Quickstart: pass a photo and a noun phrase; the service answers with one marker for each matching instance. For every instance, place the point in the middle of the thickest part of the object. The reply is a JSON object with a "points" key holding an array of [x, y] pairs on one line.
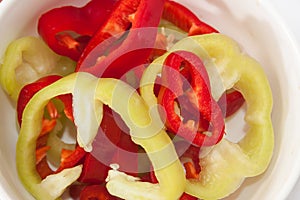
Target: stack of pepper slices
{"points": [[109, 39]]}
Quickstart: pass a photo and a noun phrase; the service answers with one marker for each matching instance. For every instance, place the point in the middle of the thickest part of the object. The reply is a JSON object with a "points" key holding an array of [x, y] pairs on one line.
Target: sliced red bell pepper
{"points": [[117, 23], [199, 96], [191, 152], [29, 90], [70, 158], [186, 196], [230, 102], [185, 19], [43, 168], [97, 192], [136, 47], [75, 28], [94, 171]]}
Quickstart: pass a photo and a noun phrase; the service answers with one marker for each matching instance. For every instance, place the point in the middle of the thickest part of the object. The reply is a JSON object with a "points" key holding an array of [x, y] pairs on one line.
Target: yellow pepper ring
{"points": [[225, 167], [30, 58], [171, 177]]}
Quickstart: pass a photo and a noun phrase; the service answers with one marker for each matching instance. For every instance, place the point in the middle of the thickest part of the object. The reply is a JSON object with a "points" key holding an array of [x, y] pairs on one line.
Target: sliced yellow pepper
{"points": [[226, 166], [28, 59], [135, 114]]}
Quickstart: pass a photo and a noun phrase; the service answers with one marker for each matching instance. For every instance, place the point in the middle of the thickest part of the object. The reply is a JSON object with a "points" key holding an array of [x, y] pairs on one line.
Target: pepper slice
{"points": [[29, 90], [198, 94], [28, 59], [76, 26], [136, 47], [117, 23], [186, 20], [97, 192], [134, 112], [227, 164]]}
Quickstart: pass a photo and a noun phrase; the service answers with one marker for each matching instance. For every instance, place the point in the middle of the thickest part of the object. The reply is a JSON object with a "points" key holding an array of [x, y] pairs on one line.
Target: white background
{"points": [[289, 10]]}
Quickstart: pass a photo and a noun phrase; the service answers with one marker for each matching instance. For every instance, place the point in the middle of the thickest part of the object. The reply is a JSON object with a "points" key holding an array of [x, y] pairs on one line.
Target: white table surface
{"points": [[290, 13]]}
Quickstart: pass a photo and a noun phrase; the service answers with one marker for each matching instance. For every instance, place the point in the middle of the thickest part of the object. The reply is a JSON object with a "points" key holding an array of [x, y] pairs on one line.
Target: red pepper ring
{"points": [[136, 47], [199, 96], [81, 22]]}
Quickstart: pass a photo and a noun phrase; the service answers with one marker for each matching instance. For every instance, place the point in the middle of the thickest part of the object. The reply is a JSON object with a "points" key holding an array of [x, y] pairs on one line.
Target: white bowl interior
{"points": [[259, 31]]}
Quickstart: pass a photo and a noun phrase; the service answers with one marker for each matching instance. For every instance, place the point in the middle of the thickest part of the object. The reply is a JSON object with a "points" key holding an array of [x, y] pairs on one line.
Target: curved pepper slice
{"points": [[198, 93], [114, 26], [136, 47], [28, 59], [227, 164], [29, 90], [133, 111], [183, 18], [75, 28], [97, 192]]}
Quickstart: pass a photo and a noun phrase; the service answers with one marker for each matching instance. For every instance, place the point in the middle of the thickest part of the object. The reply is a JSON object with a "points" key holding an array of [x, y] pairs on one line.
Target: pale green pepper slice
{"points": [[135, 114], [226, 166], [28, 59]]}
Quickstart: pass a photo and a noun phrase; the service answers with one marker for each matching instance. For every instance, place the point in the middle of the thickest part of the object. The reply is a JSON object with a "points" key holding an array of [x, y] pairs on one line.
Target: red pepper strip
{"points": [[199, 96], [70, 158], [136, 47], [68, 110], [187, 151], [94, 171], [96, 192], [110, 126], [127, 151], [190, 170], [230, 102], [116, 24], [43, 168], [52, 110], [29, 90], [47, 126], [183, 18], [57, 26], [186, 196], [41, 153]]}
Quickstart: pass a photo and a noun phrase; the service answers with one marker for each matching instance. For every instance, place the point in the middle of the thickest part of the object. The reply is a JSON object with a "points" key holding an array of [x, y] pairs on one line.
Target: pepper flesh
{"points": [[134, 50], [78, 21], [198, 94], [250, 156], [28, 59], [170, 174], [183, 18]]}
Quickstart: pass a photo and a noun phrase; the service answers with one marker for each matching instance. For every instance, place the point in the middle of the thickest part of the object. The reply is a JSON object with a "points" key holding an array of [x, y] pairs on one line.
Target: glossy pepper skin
{"points": [[198, 93], [185, 19], [68, 29], [28, 59], [138, 121], [69, 158], [228, 163], [136, 47], [29, 90]]}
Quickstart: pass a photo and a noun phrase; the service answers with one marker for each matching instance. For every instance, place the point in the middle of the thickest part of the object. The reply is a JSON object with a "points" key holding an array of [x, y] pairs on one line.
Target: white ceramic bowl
{"points": [[252, 23]]}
